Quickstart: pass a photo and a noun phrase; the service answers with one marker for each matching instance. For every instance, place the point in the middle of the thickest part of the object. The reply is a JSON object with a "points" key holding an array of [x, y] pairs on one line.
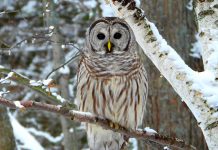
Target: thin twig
{"points": [[48, 39], [42, 37], [105, 123], [62, 65]]}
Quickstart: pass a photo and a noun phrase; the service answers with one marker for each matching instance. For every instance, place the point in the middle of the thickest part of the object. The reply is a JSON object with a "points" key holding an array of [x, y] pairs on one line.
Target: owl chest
{"points": [[118, 98], [104, 97], [111, 93]]}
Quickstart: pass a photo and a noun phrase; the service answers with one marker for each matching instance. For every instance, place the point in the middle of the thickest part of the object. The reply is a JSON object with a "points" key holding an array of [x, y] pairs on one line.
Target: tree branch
{"points": [[41, 89], [104, 123]]}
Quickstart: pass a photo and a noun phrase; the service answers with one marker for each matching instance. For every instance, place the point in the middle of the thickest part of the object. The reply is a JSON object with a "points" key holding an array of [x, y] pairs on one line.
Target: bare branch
{"points": [[44, 38], [162, 140], [62, 65], [22, 80]]}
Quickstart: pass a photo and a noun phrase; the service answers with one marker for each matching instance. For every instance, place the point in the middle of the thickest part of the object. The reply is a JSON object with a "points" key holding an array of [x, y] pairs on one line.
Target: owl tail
{"points": [[101, 139]]}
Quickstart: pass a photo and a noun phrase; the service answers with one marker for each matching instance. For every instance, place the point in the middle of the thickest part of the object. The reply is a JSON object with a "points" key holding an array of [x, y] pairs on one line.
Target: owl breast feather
{"points": [[120, 98]]}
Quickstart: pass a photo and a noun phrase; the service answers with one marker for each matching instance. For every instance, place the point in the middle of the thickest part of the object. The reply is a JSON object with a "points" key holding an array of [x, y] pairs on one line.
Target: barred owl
{"points": [[112, 81]]}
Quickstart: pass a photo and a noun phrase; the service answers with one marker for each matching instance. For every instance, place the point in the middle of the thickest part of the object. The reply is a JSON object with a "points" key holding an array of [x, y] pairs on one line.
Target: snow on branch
{"points": [[197, 89], [41, 87], [147, 134]]}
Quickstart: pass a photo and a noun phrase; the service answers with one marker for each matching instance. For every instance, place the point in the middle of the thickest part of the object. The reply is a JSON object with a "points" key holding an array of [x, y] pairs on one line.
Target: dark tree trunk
{"points": [[6, 133], [165, 111]]}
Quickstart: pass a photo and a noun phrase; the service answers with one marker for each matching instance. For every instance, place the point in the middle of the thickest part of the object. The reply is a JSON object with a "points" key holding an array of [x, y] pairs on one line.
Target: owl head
{"points": [[109, 36]]}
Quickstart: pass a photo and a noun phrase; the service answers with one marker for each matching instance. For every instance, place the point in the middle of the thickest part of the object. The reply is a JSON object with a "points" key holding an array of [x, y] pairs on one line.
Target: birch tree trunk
{"points": [[197, 90], [165, 112], [7, 141]]}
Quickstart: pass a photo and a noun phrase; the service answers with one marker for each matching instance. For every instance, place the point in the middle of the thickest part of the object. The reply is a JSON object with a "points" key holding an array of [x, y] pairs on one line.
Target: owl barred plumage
{"points": [[112, 82]]}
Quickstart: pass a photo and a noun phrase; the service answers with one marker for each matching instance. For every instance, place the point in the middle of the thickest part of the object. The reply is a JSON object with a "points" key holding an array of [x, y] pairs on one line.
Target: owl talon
{"points": [[117, 126], [111, 124], [114, 125], [23, 109]]}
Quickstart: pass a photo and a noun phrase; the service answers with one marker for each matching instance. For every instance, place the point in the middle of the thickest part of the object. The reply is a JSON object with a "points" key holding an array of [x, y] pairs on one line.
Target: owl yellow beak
{"points": [[109, 45]]}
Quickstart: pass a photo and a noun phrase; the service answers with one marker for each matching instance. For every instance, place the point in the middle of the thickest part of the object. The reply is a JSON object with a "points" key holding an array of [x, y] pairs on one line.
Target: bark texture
{"points": [[207, 16], [6, 132], [165, 112]]}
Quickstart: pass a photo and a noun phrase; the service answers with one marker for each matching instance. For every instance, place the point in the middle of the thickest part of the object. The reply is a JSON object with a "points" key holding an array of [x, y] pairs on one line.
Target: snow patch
{"points": [[10, 74], [63, 46], [64, 70], [134, 143], [150, 131], [71, 130], [203, 83], [46, 135], [82, 113], [196, 48], [3, 92], [51, 27], [212, 59], [189, 6], [35, 83], [215, 115], [90, 3], [106, 9], [138, 2], [61, 99], [23, 136], [47, 10], [18, 104], [47, 82], [164, 46], [166, 148], [30, 7]]}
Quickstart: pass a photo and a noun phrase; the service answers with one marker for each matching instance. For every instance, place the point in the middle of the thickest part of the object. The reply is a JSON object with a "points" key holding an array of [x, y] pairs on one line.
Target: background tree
{"points": [[7, 141]]}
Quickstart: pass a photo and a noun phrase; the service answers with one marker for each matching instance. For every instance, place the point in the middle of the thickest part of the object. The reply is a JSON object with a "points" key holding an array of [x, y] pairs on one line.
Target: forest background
{"points": [[37, 36]]}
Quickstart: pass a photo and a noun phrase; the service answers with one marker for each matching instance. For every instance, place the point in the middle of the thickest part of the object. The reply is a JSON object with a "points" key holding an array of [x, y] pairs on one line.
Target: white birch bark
{"points": [[207, 17], [198, 90]]}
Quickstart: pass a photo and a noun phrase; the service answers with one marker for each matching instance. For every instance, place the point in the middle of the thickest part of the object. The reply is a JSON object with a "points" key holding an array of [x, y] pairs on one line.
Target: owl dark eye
{"points": [[100, 36], [117, 35]]}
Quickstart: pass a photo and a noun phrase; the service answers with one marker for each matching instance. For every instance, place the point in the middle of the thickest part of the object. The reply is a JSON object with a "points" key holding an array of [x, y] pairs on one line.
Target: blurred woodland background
{"points": [[37, 36]]}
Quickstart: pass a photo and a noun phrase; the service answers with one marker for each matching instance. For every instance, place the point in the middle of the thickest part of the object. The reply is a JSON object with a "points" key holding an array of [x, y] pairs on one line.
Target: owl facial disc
{"points": [[110, 37]]}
